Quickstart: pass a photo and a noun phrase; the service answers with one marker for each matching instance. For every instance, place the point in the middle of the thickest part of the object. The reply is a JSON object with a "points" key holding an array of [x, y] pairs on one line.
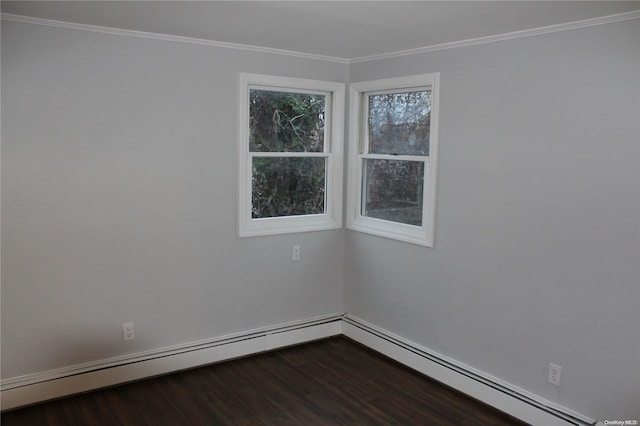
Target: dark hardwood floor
{"points": [[328, 382]]}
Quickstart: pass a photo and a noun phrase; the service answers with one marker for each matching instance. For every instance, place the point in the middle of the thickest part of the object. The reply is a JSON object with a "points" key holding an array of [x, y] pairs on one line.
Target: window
{"points": [[290, 155], [392, 157]]}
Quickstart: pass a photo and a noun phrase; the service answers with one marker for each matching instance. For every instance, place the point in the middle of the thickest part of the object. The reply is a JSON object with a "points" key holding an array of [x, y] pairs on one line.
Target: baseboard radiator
{"points": [[34, 388], [504, 396]]}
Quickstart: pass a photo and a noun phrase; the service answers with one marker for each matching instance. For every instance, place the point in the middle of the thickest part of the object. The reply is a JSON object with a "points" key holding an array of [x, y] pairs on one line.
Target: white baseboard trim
{"points": [[504, 396], [33, 388], [39, 387]]}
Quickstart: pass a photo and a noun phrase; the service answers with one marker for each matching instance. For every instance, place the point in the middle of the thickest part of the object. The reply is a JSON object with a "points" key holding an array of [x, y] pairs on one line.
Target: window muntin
{"points": [[392, 158], [290, 153]]}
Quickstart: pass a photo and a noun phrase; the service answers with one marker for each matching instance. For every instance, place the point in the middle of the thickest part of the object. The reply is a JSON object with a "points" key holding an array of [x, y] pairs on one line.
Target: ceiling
{"points": [[340, 29]]}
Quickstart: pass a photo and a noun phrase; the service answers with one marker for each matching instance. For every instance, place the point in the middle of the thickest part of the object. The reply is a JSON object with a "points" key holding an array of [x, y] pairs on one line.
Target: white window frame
{"points": [[333, 151], [424, 234]]}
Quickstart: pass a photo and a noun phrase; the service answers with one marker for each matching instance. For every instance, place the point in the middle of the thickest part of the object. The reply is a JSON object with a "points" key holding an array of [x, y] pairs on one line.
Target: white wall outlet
{"points": [[127, 331], [554, 374], [295, 253]]}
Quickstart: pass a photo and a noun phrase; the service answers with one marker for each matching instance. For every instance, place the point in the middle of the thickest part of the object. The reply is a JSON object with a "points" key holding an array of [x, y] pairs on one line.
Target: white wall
{"points": [[537, 247], [119, 183]]}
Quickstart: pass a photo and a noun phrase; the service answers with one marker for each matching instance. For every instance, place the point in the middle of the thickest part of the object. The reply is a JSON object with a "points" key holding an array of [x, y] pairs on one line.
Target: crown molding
{"points": [[167, 37], [634, 14]]}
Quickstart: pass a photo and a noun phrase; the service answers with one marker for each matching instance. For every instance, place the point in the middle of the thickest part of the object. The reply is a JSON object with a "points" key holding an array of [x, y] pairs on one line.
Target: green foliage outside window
{"points": [[288, 123]]}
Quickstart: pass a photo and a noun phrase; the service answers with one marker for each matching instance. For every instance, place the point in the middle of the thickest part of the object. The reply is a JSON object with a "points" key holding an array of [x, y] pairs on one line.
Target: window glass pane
{"points": [[286, 122], [399, 123], [393, 190], [288, 186]]}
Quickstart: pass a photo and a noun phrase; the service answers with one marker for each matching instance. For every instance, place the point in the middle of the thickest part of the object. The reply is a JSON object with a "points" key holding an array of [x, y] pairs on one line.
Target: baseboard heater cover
{"points": [[488, 389], [39, 387]]}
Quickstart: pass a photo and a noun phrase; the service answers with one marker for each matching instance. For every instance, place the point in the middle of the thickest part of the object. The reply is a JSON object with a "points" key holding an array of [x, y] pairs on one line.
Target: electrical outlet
{"points": [[127, 330], [554, 374], [295, 253]]}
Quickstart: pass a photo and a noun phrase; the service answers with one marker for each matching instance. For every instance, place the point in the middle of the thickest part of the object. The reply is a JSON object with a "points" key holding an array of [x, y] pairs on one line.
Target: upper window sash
{"points": [[327, 95], [365, 145]]}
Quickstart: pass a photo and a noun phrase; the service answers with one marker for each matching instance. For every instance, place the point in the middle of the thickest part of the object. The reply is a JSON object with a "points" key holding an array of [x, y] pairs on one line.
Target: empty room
{"points": [[390, 212]]}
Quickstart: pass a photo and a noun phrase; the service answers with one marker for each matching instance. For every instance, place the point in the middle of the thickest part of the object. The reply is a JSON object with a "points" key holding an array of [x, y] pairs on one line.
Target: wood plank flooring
{"points": [[328, 382]]}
